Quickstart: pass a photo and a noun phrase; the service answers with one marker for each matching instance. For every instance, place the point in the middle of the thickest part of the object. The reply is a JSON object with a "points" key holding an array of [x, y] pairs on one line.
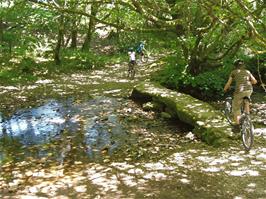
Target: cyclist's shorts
{"points": [[237, 101]]}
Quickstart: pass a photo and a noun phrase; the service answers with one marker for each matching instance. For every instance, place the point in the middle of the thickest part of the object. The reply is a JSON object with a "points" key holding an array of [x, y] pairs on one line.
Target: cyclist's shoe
{"points": [[236, 128]]}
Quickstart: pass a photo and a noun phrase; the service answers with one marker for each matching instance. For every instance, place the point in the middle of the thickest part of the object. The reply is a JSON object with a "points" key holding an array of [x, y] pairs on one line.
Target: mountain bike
{"points": [[246, 126], [131, 69], [145, 57]]}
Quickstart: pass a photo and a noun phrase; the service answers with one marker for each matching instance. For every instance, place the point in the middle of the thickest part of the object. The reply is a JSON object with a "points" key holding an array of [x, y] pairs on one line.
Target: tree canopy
{"points": [[204, 33]]}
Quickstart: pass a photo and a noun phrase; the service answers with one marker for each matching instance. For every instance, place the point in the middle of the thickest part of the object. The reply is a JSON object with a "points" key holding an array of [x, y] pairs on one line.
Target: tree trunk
{"points": [[1, 32], [60, 35], [74, 36], [91, 28]]}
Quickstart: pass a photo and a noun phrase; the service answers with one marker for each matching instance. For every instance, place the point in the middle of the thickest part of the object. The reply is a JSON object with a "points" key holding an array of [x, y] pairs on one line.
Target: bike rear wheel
{"points": [[145, 58], [131, 71], [247, 132]]}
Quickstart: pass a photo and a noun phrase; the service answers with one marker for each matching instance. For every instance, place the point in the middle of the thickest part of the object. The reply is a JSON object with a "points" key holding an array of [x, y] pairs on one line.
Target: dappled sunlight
{"points": [[159, 158], [59, 181], [45, 81], [224, 163], [242, 172], [5, 89]]}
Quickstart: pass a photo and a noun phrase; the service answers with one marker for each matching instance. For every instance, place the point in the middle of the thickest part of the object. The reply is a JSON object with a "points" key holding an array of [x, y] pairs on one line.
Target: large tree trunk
{"points": [[91, 28], [1, 32], [74, 36], [60, 35]]}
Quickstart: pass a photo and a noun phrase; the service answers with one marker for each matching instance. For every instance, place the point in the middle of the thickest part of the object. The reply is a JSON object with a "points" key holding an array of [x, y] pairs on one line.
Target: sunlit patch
{"points": [[236, 173], [190, 136], [179, 159], [81, 188], [185, 181], [122, 166], [261, 156], [112, 91], [238, 197], [155, 176], [235, 164], [252, 185], [32, 87], [260, 132], [11, 88], [127, 180], [236, 158], [136, 171], [157, 166], [46, 81], [219, 161], [243, 172], [256, 162], [205, 159], [200, 123], [212, 169]]}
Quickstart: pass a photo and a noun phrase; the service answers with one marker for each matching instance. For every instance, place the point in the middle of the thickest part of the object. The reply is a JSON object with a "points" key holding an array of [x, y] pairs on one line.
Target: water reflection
{"points": [[37, 125], [63, 130]]}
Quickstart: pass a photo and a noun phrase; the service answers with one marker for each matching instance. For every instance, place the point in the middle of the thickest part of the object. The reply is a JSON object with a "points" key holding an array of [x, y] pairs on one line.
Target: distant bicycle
{"points": [[246, 126], [145, 56], [131, 69]]}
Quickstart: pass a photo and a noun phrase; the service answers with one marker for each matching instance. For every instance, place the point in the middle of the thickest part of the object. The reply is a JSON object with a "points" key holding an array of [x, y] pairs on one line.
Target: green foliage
{"points": [[81, 60], [171, 74], [207, 85], [27, 65], [14, 77]]}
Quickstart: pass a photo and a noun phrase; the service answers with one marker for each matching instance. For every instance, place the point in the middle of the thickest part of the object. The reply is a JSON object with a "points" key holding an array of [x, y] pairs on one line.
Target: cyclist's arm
{"points": [[228, 84], [252, 79]]}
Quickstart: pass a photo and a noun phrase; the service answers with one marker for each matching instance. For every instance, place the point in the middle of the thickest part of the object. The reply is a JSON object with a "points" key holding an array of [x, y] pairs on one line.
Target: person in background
{"points": [[243, 80], [132, 56], [141, 50], [132, 61]]}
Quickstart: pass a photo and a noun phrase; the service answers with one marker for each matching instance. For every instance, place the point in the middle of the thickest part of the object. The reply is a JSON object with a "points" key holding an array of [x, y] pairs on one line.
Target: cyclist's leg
{"points": [[246, 105], [246, 100], [236, 105]]}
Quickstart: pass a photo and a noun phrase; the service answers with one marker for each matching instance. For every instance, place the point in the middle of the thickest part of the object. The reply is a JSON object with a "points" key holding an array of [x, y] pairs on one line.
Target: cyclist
{"points": [[243, 88], [132, 60], [141, 49]]}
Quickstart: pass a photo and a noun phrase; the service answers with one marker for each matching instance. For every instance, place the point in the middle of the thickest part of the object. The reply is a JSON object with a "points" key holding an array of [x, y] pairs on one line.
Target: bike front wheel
{"points": [[247, 132], [228, 110]]}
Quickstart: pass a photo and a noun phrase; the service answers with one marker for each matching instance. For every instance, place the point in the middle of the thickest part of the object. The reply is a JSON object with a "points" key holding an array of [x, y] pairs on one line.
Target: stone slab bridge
{"points": [[209, 123]]}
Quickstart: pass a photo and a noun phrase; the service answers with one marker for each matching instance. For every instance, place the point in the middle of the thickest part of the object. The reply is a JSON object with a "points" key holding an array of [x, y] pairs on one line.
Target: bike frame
{"points": [[246, 126]]}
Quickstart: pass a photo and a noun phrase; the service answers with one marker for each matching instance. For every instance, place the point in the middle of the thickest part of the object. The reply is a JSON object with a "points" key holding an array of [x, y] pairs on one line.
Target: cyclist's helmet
{"points": [[130, 49], [238, 62]]}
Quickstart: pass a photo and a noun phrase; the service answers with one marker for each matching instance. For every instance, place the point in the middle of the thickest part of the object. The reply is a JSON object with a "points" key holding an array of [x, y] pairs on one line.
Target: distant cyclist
{"points": [[141, 50], [132, 56], [132, 62], [243, 88]]}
